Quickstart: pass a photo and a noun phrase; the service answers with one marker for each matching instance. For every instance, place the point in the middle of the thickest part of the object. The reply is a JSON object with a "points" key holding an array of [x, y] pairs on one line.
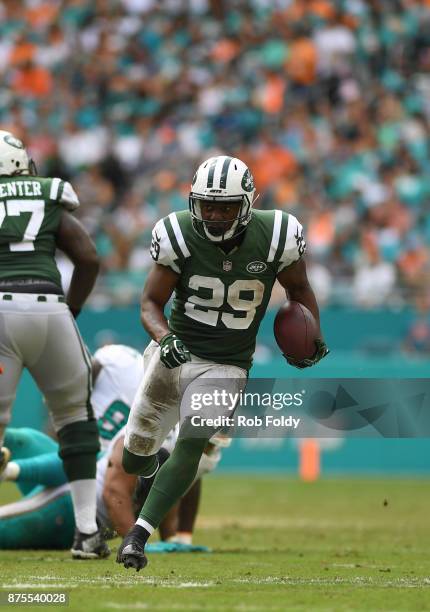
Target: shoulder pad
{"points": [[168, 246], [295, 245], [63, 192]]}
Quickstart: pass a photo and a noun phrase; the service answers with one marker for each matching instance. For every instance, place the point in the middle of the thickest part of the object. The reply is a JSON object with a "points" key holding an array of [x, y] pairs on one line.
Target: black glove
{"points": [[319, 354], [173, 351]]}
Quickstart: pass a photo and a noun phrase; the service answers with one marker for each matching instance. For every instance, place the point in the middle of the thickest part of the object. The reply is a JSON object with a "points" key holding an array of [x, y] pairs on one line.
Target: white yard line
{"points": [[178, 583]]}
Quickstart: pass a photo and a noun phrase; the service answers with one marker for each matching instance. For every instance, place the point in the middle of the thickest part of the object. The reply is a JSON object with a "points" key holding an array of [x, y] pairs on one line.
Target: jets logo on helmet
{"points": [[14, 142], [222, 180], [14, 159], [248, 181]]}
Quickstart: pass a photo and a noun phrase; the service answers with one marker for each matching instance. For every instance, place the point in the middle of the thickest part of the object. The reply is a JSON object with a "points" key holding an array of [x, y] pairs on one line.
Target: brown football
{"points": [[296, 330]]}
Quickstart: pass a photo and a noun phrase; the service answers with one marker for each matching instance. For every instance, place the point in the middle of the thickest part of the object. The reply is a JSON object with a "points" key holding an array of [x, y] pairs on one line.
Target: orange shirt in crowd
{"points": [[321, 230], [301, 65], [225, 50], [22, 53], [41, 15], [300, 8], [273, 95], [32, 81], [270, 164], [413, 262]]}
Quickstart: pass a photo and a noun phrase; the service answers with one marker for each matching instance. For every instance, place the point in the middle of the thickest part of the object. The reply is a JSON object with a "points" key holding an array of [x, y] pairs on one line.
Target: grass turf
{"points": [[279, 544]]}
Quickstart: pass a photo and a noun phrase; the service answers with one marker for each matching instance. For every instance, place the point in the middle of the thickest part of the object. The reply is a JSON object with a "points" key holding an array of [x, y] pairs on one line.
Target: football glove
{"points": [[319, 354], [173, 351]]}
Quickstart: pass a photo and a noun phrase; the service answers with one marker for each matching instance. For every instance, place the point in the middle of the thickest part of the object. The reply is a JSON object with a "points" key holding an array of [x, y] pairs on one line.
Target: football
{"points": [[296, 330]]}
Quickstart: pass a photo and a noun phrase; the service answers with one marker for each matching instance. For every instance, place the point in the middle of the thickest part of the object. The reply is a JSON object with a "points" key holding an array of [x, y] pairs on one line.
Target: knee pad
{"points": [[79, 445], [79, 439]]}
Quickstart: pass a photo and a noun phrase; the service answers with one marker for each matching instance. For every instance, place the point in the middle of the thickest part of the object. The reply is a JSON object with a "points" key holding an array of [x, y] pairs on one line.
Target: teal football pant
{"points": [[44, 517], [42, 520]]}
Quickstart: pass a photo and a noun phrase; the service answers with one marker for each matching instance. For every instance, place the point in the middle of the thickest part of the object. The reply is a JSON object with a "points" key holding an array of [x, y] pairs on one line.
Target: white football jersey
{"points": [[115, 388]]}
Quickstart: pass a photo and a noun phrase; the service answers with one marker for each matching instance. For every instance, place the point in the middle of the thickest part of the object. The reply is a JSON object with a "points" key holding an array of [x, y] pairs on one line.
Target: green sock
{"points": [[173, 479], [139, 464]]}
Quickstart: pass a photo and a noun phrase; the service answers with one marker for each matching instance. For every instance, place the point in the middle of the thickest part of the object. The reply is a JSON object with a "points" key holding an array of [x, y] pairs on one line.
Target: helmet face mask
{"points": [[14, 160], [221, 181], [220, 229]]}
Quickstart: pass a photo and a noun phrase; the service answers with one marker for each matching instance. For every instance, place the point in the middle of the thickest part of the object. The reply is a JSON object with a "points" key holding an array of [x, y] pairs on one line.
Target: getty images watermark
{"points": [[308, 407], [227, 400]]}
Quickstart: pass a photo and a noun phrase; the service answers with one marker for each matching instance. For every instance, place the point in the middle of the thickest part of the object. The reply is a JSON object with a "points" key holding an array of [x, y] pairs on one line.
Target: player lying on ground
{"points": [[43, 519], [37, 323], [220, 259]]}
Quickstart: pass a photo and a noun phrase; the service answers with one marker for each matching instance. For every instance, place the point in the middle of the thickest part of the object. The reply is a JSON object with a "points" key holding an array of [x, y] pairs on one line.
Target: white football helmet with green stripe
{"points": [[14, 159], [222, 180]]}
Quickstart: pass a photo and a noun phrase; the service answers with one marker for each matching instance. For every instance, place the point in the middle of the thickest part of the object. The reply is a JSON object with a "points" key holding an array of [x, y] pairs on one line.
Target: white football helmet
{"points": [[14, 159], [223, 180]]}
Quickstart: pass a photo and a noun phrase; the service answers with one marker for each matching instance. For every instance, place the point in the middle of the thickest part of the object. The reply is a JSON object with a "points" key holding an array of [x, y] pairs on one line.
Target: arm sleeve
{"points": [[295, 244]]}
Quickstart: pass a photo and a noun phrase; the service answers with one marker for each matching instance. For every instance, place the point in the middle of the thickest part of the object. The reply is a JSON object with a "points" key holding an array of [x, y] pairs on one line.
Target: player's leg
{"points": [[46, 470], [181, 539], [10, 373], [178, 473], [26, 442], [34, 461], [42, 521], [187, 513], [180, 535], [153, 415], [62, 371]]}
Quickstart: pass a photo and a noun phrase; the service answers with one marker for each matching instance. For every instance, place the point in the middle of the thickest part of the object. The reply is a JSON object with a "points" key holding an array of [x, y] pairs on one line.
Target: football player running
{"points": [[220, 259], [37, 323]]}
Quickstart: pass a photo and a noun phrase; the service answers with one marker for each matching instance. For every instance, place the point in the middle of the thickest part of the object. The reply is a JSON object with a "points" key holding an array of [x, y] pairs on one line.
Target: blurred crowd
{"points": [[327, 101]]}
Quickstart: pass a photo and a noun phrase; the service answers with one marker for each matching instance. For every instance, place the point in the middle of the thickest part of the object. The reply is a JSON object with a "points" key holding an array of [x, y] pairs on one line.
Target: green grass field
{"points": [[278, 545]]}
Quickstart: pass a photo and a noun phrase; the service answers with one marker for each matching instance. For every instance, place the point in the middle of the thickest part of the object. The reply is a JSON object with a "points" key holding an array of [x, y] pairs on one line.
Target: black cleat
{"points": [[90, 546], [131, 554]]}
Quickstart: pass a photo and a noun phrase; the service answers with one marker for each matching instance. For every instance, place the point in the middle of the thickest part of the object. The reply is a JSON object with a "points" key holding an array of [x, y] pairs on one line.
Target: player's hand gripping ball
{"points": [[173, 351], [297, 335]]}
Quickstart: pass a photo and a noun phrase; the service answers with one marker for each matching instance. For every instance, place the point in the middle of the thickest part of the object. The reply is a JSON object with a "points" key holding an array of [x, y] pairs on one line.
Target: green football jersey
{"points": [[220, 298], [30, 212]]}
